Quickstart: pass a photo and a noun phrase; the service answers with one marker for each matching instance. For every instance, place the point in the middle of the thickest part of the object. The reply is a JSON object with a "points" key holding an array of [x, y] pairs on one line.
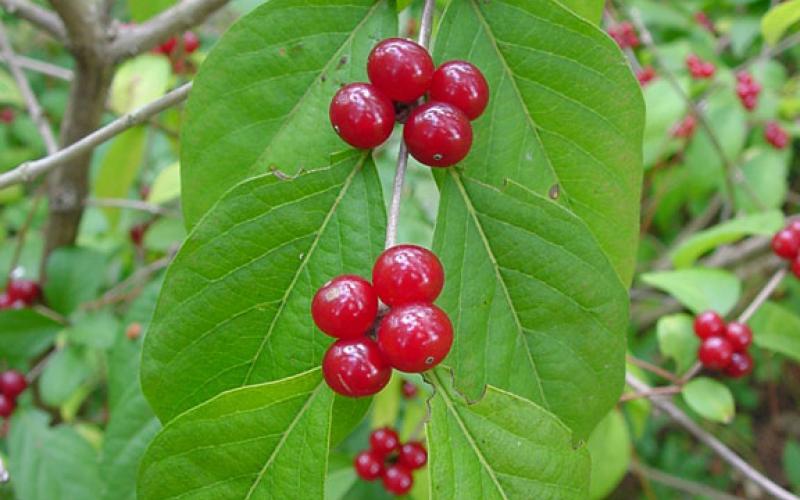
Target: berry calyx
{"points": [[438, 134], [741, 364], [401, 69], [355, 368], [461, 84], [384, 441], [776, 136], [12, 383], [786, 244], [415, 337], [362, 115], [739, 335], [715, 352], [397, 480], [412, 455], [368, 465], [709, 324], [345, 307], [407, 273], [25, 291], [191, 42], [409, 390], [7, 406]]}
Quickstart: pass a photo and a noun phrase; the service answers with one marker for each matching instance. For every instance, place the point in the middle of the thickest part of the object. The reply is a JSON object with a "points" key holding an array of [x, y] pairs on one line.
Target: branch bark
{"points": [[38, 66], [38, 16]]}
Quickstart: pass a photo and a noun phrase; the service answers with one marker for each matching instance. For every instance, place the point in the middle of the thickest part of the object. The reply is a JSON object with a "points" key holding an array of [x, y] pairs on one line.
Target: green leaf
{"points": [[25, 334], [592, 10], [698, 289], [96, 329], [9, 92], [139, 81], [677, 341], [503, 446], [142, 10], [49, 462], [779, 19], [64, 373], [665, 108], [565, 114], [234, 307], [167, 185], [710, 399], [766, 173], [119, 168], [610, 449], [386, 404], [74, 276], [164, 234], [525, 314], [791, 463], [777, 329], [690, 250], [275, 113], [258, 441]]}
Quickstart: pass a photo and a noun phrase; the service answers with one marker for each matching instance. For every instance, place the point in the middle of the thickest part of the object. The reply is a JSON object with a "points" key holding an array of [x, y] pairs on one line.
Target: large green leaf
{"points": [[25, 334], [262, 441], [590, 9], [261, 98], [777, 329], [119, 168], [565, 115], [501, 447], [677, 340], [139, 81], [234, 309], [537, 308], [779, 19]]}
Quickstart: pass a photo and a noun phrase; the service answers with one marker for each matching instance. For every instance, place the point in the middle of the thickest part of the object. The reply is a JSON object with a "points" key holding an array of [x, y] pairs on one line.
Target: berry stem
{"points": [[665, 374], [402, 154], [763, 295]]}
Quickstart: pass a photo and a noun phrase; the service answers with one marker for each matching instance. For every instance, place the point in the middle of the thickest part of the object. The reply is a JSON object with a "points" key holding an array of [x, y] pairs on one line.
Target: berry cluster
{"points": [[437, 133], [747, 89], [20, 294], [698, 68], [177, 49], [724, 347], [646, 75], [786, 245], [624, 34], [413, 336], [392, 461], [685, 128], [776, 135], [12, 383]]}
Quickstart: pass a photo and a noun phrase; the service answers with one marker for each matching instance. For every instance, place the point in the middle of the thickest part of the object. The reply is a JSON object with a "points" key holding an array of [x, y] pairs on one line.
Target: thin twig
{"points": [[679, 484], [763, 295], [118, 292], [32, 169], [655, 391], [42, 67], [38, 16], [645, 365], [677, 415], [139, 205]]}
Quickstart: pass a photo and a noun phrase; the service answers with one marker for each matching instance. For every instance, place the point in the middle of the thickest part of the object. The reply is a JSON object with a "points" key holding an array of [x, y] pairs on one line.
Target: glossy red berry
{"points": [[438, 134], [368, 465], [709, 324], [355, 367], [384, 441], [7, 303], [397, 480], [741, 364], [407, 273], [786, 244], [345, 307], [776, 135], [402, 69], [409, 390], [25, 291], [12, 383], [415, 337], [715, 352], [7, 406], [794, 226], [191, 42], [739, 335], [412, 455], [461, 84], [362, 115]]}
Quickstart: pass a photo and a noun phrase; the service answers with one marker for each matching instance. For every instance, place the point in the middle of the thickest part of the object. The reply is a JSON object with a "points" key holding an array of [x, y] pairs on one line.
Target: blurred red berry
{"points": [[137, 234], [748, 90], [786, 244], [776, 136], [26, 291], [646, 75], [704, 21], [12, 383], [741, 364], [715, 352], [685, 128], [698, 68], [167, 47], [368, 465], [7, 115], [624, 34], [412, 455], [709, 324], [739, 335], [7, 406], [409, 390], [191, 42]]}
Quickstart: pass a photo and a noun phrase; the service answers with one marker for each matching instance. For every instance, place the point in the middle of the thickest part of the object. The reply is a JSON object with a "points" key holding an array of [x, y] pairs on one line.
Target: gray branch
{"points": [[38, 16]]}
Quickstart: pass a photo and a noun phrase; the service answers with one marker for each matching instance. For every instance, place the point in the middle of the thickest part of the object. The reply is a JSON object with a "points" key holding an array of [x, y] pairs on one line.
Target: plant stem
{"points": [[655, 391], [38, 66], [139, 205], [645, 365], [679, 484], [763, 295]]}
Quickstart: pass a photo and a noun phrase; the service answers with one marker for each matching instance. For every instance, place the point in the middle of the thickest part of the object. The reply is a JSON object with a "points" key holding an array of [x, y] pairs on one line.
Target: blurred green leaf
{"points": [[142, 10], [94, 329], [779, 19], [164, 234], [710, 399], [765, 173], [74, 276], [139, 81], [9, 92], [119, 168], [665, 107], [591, 10], [777, 329], [65, 371], [677, 341], [167, 186], [610, 449], [698, 289], [791, 463], [25, 334], [386, 404]]}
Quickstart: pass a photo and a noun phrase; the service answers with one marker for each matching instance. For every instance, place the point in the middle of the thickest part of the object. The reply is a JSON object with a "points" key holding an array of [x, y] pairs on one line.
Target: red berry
{"points": [[709, 324], [368, 465], [415, 337], [384, 441], [190, 42], [698, 68], [741, 364], [168, 47], [624, 34], [397, 480], [703, 20], [794, 226], [786, 244], [12, 383], [715, 352], [355, 367], [685, 128], [646, 75], [438, 134], [795, 268], [461, 84], [7, 303], [7, 115], [345, 307], [413, 455], [402, 69], [407, 273], [25, 291], [409, 390], [7, 406], [362, 115], [739, 335], [137, 234], [776, 136]]}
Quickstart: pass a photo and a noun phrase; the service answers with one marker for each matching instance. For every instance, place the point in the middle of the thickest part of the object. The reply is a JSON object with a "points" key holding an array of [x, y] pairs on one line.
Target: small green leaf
{"points": [[765, 223], [677, 341], [610, 449], [74, 276], [119, 168], [167, 185], [25, 334], [64, 373], [139, 81], [698, 289], [710, 399], [779, 19], [777, 329]]}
